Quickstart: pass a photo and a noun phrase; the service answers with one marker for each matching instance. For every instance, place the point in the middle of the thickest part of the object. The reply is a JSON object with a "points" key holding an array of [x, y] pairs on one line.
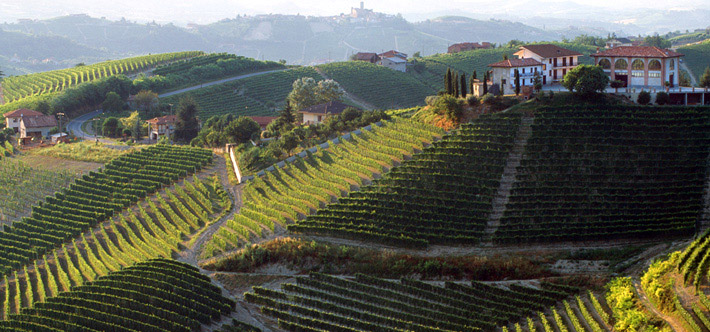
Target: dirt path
{"points": [[672, 321], [363, 104], [693, 81]]}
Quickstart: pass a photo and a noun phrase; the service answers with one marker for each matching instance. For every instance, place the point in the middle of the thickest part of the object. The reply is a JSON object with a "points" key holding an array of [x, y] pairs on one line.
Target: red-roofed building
{"points": [[461, 47], [556, 61], [318, 113], [643, 66], [164, 125], [263, 121], [12, 119], [37, 126], [503, 73], [393, 53], [366, 56]]}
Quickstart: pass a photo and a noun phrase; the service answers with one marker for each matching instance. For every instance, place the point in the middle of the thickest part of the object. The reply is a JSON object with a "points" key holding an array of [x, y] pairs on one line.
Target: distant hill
{"points": [[296, 39]]}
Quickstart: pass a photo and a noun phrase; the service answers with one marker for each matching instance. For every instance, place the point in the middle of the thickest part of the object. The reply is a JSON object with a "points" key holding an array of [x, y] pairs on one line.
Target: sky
{"points": [[207, 11]]}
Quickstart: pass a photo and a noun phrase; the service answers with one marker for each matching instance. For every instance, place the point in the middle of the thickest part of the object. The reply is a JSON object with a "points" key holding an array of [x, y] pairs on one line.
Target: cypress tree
{"points": [[485, 83], [454, 83], [447, 82], [474, 75], [517, 82], [471, 86], [463, 85]]}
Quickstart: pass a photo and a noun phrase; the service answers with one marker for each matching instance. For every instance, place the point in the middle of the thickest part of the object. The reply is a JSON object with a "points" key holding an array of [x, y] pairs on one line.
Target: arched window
{"points": [[654, 65], [672, 66], [637, 64], [621, 64], [605, 63]]}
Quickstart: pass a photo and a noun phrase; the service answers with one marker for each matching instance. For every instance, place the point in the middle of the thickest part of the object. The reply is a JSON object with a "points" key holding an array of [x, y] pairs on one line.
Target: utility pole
{"points": [[60, 116]]}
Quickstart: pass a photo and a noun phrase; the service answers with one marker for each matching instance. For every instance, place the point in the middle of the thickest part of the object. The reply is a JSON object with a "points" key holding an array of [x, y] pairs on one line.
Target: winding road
{"points": [[75, 124]]}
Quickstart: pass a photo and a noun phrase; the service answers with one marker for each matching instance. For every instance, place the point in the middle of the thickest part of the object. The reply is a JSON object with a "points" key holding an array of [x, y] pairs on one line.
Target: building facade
{"points": [[640, 66], [503, 73], [318, 113], [394, 63], [13, 119], [556, 61], [37, 126], [162, 126]]}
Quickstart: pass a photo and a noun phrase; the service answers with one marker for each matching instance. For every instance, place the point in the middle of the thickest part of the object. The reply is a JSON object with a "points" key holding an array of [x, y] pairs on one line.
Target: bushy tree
{"points": [[113, 102], [657, 41], [241, 130], [186, 124], [307, 92], [662, 98], [146, 100], [111, 127], [586, 80], [449, 106], [644, 97], [616, 84], [705, 79]]}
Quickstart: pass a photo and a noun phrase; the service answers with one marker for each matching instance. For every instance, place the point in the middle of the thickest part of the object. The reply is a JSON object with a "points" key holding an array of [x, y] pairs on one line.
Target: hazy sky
{"points": [[206, 11]]}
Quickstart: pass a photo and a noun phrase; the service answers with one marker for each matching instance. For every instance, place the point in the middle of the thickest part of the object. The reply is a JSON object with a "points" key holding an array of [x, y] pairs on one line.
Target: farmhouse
{"points": [[394, 63], [37, 126], [611, 43], [503, 73], [556, 61], [366, 56], [164, 125], [461, 47], [318, 113], [12, 119], [642, 66], [263, 121]]}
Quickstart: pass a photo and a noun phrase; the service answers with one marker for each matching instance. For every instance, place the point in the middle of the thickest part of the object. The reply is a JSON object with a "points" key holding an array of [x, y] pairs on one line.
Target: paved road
{"points": [[75, 124], [168, 94]]}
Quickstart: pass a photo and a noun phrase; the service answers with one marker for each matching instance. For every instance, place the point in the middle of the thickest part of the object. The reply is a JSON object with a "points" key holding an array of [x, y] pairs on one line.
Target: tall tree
{"points": [[705, 79], [464, 87], [485, 83], [455, 83], [474, 75], [186, 124], [447, 82], [286, 115], [517, 82]]}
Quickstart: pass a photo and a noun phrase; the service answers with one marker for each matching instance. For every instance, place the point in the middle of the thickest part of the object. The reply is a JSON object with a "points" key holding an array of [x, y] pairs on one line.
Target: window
{"points": [[564, 61], [621, 64], [503, 81], [636, 73], [555, 64], [544, 67], [654, 65], [605, 63], [654, 75], [523, 70], [637, 64], [571, 61]]}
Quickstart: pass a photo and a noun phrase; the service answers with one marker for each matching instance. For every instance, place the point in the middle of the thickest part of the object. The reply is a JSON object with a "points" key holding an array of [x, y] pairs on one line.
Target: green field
{"points": [[697, 58]]}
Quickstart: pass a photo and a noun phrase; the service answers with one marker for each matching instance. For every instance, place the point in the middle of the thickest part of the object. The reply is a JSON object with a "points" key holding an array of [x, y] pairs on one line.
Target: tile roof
{"points": [[549, 50], [639, 52], [263, 121], [42, 121], [331, 107], [511, 63], [365, 56], [392, 53], [21, 112], [163, 120]]}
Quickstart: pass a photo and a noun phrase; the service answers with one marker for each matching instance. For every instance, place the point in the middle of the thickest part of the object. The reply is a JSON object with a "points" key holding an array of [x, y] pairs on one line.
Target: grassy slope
{"points": [[697, 57]]}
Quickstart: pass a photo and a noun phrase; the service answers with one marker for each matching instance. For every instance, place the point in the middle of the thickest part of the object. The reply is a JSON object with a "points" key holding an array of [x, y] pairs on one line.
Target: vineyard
{"points": [[697, 58], [379, 86], [323, 302], [19, 87], [22, 186], [609, 173], [94, 198], [442, 195], [157, 295], [287, 194], [257, 95]]}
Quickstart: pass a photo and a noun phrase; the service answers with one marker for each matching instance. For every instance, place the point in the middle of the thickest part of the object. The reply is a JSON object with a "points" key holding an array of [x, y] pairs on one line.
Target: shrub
{"points": [[451, 106], [488, 99], [662, 98], [431, 100], [472, 100], [644, 97]]}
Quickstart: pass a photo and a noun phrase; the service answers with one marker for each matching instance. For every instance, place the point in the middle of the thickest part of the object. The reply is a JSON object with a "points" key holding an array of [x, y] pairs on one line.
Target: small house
{"points": [[394, 63], [366, 56], [318, 113], [12, 119], [503, 73], [162, 126], [37, 126]]}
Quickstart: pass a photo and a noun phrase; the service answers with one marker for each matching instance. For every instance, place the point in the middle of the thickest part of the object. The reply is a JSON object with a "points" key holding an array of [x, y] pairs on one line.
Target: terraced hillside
{"points": [[258, 95], [18, 87], [323, 302], [158, 295], [442, 195], [616, 173], [697, 58], [287, 194], [379, 86]]}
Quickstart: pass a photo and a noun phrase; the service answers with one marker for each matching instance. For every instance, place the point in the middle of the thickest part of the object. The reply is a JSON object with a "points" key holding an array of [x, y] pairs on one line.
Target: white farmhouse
{"points": [[503, 73]]}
